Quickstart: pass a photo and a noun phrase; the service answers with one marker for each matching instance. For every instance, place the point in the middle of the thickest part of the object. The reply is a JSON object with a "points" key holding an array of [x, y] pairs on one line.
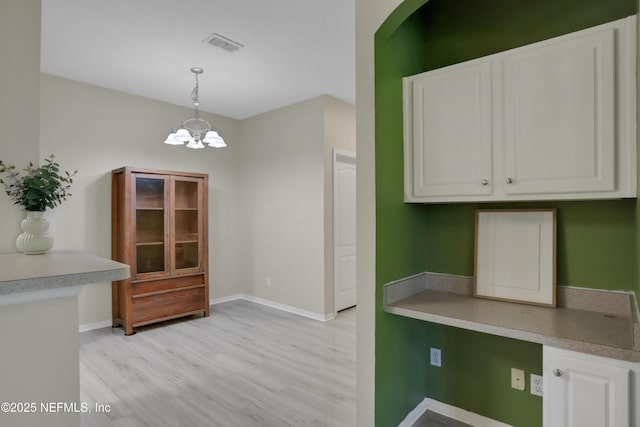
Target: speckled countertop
{"points": [[21, 274], [596, 322]]}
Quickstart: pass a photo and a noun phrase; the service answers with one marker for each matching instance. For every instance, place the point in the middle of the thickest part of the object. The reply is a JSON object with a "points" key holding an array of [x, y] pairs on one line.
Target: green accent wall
{"points": [[597, 240]]}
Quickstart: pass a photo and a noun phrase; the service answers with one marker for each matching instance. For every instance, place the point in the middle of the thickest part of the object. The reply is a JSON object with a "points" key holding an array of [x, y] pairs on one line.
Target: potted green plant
{"points": [[36, 189]]}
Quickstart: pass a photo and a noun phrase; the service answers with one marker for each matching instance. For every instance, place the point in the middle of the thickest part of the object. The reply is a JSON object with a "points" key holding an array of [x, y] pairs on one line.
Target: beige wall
{"points": [[282, 205], [95, 130], [39, 351], [339, 133], [370, 14], [39, 360], [288, 202], [268, 189], [19, 100]]}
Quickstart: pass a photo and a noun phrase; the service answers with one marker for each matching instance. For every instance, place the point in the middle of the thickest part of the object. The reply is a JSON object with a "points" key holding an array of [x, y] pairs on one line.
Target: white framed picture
{"points": [[515, 256]]}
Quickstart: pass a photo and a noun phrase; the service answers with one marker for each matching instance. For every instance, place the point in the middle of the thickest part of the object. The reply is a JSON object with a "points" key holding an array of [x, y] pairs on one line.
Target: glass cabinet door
{"points": [[150, 203], [187, 228]]}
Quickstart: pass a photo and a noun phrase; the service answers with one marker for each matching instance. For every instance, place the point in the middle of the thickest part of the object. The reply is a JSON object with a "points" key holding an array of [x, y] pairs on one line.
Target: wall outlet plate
{"points": [[535, 384], [517, 379], [435, 356]]}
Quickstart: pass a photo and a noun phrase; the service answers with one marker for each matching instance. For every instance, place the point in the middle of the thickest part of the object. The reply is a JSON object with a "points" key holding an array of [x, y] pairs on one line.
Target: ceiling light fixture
{"points": [[193, 129]]}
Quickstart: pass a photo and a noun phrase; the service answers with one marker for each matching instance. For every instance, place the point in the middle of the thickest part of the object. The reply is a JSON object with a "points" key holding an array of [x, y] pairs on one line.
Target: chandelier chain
{"points": [[194, 93]]}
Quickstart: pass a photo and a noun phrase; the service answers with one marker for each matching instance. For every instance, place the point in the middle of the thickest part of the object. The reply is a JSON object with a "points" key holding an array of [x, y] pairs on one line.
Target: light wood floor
{"points": [[246, 365]]}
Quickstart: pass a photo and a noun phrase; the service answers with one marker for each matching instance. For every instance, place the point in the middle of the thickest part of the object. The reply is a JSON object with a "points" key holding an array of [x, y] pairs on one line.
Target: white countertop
{"points": [[32, 277]]}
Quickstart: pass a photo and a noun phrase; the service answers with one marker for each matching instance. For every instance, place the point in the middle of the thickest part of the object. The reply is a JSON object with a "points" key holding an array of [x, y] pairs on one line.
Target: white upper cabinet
{"points": [[550, 120]]}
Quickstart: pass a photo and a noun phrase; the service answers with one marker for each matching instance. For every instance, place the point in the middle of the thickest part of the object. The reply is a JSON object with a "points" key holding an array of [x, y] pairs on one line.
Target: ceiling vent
{"points": [[223, 43]]}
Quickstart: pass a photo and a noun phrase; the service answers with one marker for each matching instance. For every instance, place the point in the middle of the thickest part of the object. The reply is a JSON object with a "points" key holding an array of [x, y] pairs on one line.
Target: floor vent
{"points": [[223, 43]]}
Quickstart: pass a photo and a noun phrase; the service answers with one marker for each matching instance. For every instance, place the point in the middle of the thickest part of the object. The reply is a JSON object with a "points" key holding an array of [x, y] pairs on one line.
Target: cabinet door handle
{"points": [[484, 182], [557, 372], [509, 181]]}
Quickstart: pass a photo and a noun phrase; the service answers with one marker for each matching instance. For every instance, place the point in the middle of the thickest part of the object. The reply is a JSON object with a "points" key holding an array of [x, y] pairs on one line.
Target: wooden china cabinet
{"points": [[159, 228]]}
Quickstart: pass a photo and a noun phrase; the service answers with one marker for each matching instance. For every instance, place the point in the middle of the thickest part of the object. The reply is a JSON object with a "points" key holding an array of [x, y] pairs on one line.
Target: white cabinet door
{"points": [[560, 116], [585, 391], [451, 144]]}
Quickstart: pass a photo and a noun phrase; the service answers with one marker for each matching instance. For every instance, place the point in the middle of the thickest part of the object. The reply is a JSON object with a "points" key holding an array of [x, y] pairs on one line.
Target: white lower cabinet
{"points": [[551, 120], [582, 390]]}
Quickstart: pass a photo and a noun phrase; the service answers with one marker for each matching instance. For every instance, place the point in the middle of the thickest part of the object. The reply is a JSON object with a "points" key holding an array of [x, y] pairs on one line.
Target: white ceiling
{"points": [[294, 49]]}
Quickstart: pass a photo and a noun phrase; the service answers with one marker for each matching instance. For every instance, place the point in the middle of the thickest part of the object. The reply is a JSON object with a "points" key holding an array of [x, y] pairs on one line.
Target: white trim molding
{"points": [[415, 415], [282, 307], [452, 412], [268, 303], [85, 327]]}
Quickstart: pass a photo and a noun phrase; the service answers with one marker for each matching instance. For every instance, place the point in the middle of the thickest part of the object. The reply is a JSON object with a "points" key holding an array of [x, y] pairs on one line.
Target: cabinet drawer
{"points": [[142, 288], [147, 309]]}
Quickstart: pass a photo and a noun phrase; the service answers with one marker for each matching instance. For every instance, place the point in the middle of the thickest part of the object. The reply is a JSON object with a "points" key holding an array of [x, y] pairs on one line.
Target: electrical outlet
{"points": [[436, 356], [517, 379], [536, 384], [267, 281]]}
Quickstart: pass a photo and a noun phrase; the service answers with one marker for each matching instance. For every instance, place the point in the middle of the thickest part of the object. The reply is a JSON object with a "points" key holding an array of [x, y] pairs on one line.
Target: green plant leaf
{"points": [[40, 188]]}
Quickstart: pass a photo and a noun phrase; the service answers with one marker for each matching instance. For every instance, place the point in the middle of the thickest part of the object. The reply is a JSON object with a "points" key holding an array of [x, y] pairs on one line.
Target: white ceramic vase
{"points": [[35, 239]]}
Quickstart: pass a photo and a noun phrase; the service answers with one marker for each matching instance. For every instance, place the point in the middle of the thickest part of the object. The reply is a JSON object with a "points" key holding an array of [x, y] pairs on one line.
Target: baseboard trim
{"points": [[234, 297], [276, 305], [453, 412], [85, 327], [415, 415], [282, 307]]}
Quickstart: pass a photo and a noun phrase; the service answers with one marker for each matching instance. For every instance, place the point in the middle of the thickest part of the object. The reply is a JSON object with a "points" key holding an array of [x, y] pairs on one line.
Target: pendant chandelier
{"points": [[195, 131]]}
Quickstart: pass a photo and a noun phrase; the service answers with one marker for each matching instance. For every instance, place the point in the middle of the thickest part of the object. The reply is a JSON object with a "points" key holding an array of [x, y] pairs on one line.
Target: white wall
{"points": [[282, 205], [95, 130], [370, 14]]}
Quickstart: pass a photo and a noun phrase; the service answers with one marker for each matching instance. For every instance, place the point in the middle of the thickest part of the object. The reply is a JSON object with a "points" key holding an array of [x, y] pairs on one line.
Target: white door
{"points": [[344, 229], [584, 391]]}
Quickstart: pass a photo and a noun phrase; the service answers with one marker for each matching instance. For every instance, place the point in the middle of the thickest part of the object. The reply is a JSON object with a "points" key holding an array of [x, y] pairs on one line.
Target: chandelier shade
{"points": [[214, 139], [195, 144], [172, 140], [196, 130]]}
